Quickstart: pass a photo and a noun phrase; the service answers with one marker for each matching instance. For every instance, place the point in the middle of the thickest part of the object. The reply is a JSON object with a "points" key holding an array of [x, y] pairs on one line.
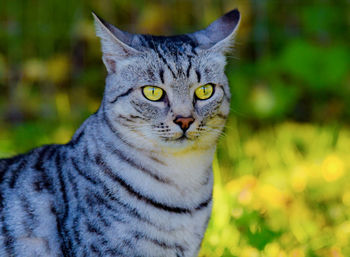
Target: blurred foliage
{"points": [[281, 191], [281, 169]]}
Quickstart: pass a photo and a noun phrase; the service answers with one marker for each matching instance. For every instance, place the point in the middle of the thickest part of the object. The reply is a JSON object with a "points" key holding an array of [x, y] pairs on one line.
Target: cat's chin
{"points": [[179, 142], [181, 138], [184, 144], [176, 143]]}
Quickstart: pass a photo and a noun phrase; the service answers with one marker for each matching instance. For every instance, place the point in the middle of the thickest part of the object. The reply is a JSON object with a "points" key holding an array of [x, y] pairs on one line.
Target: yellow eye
{"points": [[204, 92], [152, 93]]}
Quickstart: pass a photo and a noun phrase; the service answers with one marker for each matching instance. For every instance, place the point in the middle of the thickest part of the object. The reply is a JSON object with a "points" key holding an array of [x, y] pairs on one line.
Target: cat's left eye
{"points": [[204, 92], [152, 93]]}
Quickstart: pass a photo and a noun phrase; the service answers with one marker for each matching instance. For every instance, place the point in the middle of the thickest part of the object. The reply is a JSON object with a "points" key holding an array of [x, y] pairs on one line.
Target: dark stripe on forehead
{"points": [[198, 76], [161, 75], [165, 61], [151, 42], [143, 41], [189, 65], [173, 45], [180, 72], [151, 74]]}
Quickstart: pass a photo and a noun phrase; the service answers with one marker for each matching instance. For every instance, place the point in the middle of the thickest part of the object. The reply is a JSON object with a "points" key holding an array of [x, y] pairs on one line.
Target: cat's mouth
{"points": [[185, 137], [182, 138], [179, 138]]}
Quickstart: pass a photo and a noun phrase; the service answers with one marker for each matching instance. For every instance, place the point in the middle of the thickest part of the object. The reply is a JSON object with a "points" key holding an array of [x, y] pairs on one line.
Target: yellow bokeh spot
{"points": [[214, 239], [274, 250], [34, 70], [335, 252], [236, 186], [250, 252], [342, 233], [63, 135], [253, 148], [299, 179], [237, 212], [332, 168], [272, 196], [232, 187], [245, 196], [346, 198], [58, 68], [244, 188], [297, 253], [62, 105]]}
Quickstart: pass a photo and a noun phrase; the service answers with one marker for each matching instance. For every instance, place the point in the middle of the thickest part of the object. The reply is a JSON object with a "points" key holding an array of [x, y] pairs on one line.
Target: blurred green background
{"points": [[282, 167]]}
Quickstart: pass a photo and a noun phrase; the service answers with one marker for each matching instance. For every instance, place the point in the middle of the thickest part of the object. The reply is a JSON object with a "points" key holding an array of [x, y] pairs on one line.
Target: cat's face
{"points": [[167, 92]]}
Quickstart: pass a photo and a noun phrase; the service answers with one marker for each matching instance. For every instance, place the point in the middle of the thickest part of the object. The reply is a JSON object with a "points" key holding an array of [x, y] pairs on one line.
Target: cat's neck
{"points": [[190, 169]]}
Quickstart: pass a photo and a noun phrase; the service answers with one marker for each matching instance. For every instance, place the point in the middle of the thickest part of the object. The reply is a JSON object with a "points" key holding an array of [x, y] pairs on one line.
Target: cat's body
{"points": [[136, 178]]}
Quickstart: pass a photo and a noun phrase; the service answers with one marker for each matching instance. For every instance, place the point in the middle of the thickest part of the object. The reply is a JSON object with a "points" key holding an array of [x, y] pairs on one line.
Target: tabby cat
{"points": [[136, 178]]}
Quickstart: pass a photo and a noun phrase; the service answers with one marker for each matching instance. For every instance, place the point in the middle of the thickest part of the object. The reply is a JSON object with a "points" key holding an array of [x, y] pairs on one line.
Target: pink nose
{"points": [[184, 122]]}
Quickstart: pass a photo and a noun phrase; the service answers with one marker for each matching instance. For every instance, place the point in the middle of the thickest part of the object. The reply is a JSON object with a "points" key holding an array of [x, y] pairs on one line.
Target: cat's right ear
{"points": [[219, 35], [116, 44]]}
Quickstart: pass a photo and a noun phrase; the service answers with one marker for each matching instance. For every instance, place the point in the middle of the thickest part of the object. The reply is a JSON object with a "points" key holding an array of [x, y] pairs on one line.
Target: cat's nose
{"points": [[184, 122]]}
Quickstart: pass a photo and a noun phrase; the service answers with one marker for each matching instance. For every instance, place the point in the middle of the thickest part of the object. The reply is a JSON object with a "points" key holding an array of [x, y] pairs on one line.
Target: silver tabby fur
{"points": [[130, 182]]}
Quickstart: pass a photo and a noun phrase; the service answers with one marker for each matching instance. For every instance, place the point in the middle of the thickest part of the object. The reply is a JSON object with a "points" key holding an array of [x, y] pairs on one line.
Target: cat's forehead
{"points": [[168, 60], [178, 59], [170, 45]]}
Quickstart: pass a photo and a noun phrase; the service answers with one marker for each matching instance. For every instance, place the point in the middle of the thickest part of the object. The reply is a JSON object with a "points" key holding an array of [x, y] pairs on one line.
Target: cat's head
{"points": [[167, 92]]}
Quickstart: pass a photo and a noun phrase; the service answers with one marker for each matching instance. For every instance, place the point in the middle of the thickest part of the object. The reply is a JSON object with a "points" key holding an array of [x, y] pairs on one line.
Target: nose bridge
{"points": [[182, 102], [183, 111], [182, 106]]}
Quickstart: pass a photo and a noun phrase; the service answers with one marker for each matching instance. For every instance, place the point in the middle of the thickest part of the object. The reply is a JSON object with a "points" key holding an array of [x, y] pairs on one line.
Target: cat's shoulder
{"points": [[34, 159]]}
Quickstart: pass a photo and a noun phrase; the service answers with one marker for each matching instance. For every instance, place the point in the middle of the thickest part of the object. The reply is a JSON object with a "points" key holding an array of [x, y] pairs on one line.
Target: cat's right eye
{"points": [[152, 93], [204, 92]]}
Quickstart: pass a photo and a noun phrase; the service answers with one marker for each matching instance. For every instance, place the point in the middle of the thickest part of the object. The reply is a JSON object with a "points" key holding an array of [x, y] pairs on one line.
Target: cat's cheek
{"points": [[121, 107], [152, 111], [208, 108], [225, 109]]}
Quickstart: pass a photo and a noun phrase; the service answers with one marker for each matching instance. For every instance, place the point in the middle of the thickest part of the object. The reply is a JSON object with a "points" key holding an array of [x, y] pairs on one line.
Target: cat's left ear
{"points": [[116, 44], [219, 35]]}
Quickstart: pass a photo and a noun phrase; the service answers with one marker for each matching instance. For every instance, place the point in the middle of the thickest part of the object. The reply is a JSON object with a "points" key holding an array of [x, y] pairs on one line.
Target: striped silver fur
{"points": [[131, 182]]}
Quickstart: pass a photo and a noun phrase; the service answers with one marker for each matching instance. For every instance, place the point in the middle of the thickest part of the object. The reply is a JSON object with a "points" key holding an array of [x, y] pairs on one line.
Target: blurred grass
{"points": [[281, 186], [287, 194]]}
